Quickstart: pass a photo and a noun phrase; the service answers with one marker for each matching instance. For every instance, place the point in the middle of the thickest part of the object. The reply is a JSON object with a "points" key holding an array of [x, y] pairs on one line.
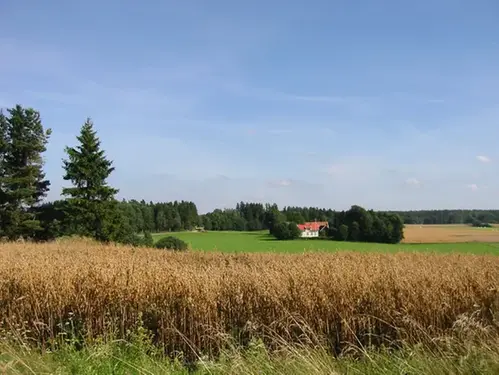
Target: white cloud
{"points": [[279, 131], [334, 169], [472, 187], [280, 183], [413, 181], [483, 158], [321, 99]]}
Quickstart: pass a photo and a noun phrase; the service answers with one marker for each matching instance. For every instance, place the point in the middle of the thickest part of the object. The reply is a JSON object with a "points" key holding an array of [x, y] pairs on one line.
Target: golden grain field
{"points": [[195, 301], [451, 233]]}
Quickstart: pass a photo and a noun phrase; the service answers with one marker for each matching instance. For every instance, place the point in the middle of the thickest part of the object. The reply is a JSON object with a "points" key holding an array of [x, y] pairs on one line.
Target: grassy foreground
{"points": [[139, 357], [243, 242]]}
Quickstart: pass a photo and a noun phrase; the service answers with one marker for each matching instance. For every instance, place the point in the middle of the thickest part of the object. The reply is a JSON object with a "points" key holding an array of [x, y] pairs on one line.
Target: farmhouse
{"points": [[312, 229]]}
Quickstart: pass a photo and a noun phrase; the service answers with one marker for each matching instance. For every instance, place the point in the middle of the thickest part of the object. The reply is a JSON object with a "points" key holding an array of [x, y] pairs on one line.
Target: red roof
{"points": [[313, 225]]}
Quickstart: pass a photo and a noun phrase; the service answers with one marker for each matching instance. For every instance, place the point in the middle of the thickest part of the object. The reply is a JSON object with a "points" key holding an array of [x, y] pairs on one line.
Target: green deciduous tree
{"points": [[91, 205], [23, 185], [355, 231], [286, 231], [161, 222], [343, 232]]}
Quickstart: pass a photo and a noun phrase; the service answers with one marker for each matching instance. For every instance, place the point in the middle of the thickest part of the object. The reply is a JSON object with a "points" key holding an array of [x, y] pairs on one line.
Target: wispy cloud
{"points": [[483, 158], [322, 99], [334, 169], [412, 181], [279, 131], [472, 187], [362, 101], [244, 89], [280, 183]]}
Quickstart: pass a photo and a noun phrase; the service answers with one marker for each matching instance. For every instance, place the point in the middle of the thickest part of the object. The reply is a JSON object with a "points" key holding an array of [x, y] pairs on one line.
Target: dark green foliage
{"points": [[148, 240], [51, 216], [355, 232], [281, 231], [342, 232], [286, 231], [188, 213], [331, 232], [91, 209], [294, 216], [273, 217], [22, 179], [448, 216], [171, 243], [366, 226], [160, 217], [479, 224], [294, 231]]}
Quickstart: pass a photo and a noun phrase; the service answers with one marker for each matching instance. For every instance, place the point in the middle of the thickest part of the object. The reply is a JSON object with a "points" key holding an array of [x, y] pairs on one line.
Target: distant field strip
{"points": [[449, 234]]}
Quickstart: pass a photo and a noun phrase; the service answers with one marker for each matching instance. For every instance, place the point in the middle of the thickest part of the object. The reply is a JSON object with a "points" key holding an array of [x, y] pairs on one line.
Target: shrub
{"points": [[286, 231], [148, 240], [294, 231], [479, 224], [171, 243]]}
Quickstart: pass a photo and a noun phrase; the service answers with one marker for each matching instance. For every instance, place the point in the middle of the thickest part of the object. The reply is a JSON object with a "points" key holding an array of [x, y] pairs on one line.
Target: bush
{"points": [[479, 224], [286, 231], [171, 243], [148, 240], [294, 231]]}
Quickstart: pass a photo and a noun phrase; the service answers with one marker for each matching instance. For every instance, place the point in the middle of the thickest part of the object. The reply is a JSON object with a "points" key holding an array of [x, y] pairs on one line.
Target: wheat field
{"points": [[195, 302], [449, 233]]}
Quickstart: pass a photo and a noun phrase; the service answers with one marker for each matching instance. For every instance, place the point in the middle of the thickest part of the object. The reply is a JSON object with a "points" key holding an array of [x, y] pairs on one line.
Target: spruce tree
{"points": [[91, 207], [4, 198], [22, 179]]}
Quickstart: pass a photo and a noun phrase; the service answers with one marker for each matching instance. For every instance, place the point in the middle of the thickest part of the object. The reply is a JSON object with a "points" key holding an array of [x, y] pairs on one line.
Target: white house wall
{"points": [[309, 234]]}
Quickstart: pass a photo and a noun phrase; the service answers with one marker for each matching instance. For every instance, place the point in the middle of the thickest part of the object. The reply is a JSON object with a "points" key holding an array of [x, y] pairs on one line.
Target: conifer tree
{"points": [[91, 207], [22, 179], [4, 198]]}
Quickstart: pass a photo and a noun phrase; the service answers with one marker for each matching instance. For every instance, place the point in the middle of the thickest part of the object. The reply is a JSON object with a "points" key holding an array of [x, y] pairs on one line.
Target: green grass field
{"points": [[237, 242]]}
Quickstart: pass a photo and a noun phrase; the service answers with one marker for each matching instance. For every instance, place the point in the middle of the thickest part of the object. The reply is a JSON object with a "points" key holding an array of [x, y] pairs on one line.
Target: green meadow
{"points": [[237, 242]]}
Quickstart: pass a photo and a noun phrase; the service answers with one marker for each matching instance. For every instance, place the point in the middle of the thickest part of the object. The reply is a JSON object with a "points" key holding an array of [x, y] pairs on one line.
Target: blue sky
{"points": [[386, 104]]}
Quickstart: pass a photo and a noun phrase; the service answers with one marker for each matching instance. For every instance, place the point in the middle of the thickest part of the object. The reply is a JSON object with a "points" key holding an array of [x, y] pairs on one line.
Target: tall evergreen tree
{"points": [[22, 179], [91, 208], [4, 147]]}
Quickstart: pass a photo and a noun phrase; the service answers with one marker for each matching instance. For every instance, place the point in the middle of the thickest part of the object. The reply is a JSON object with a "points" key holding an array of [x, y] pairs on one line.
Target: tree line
{"points": [[449, 216], [89, 206], [251, 216]]}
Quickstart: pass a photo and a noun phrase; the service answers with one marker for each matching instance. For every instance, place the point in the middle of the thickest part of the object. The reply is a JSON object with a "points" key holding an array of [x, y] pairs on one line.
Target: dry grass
{"points": [[195, 301], [449, 234]]}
